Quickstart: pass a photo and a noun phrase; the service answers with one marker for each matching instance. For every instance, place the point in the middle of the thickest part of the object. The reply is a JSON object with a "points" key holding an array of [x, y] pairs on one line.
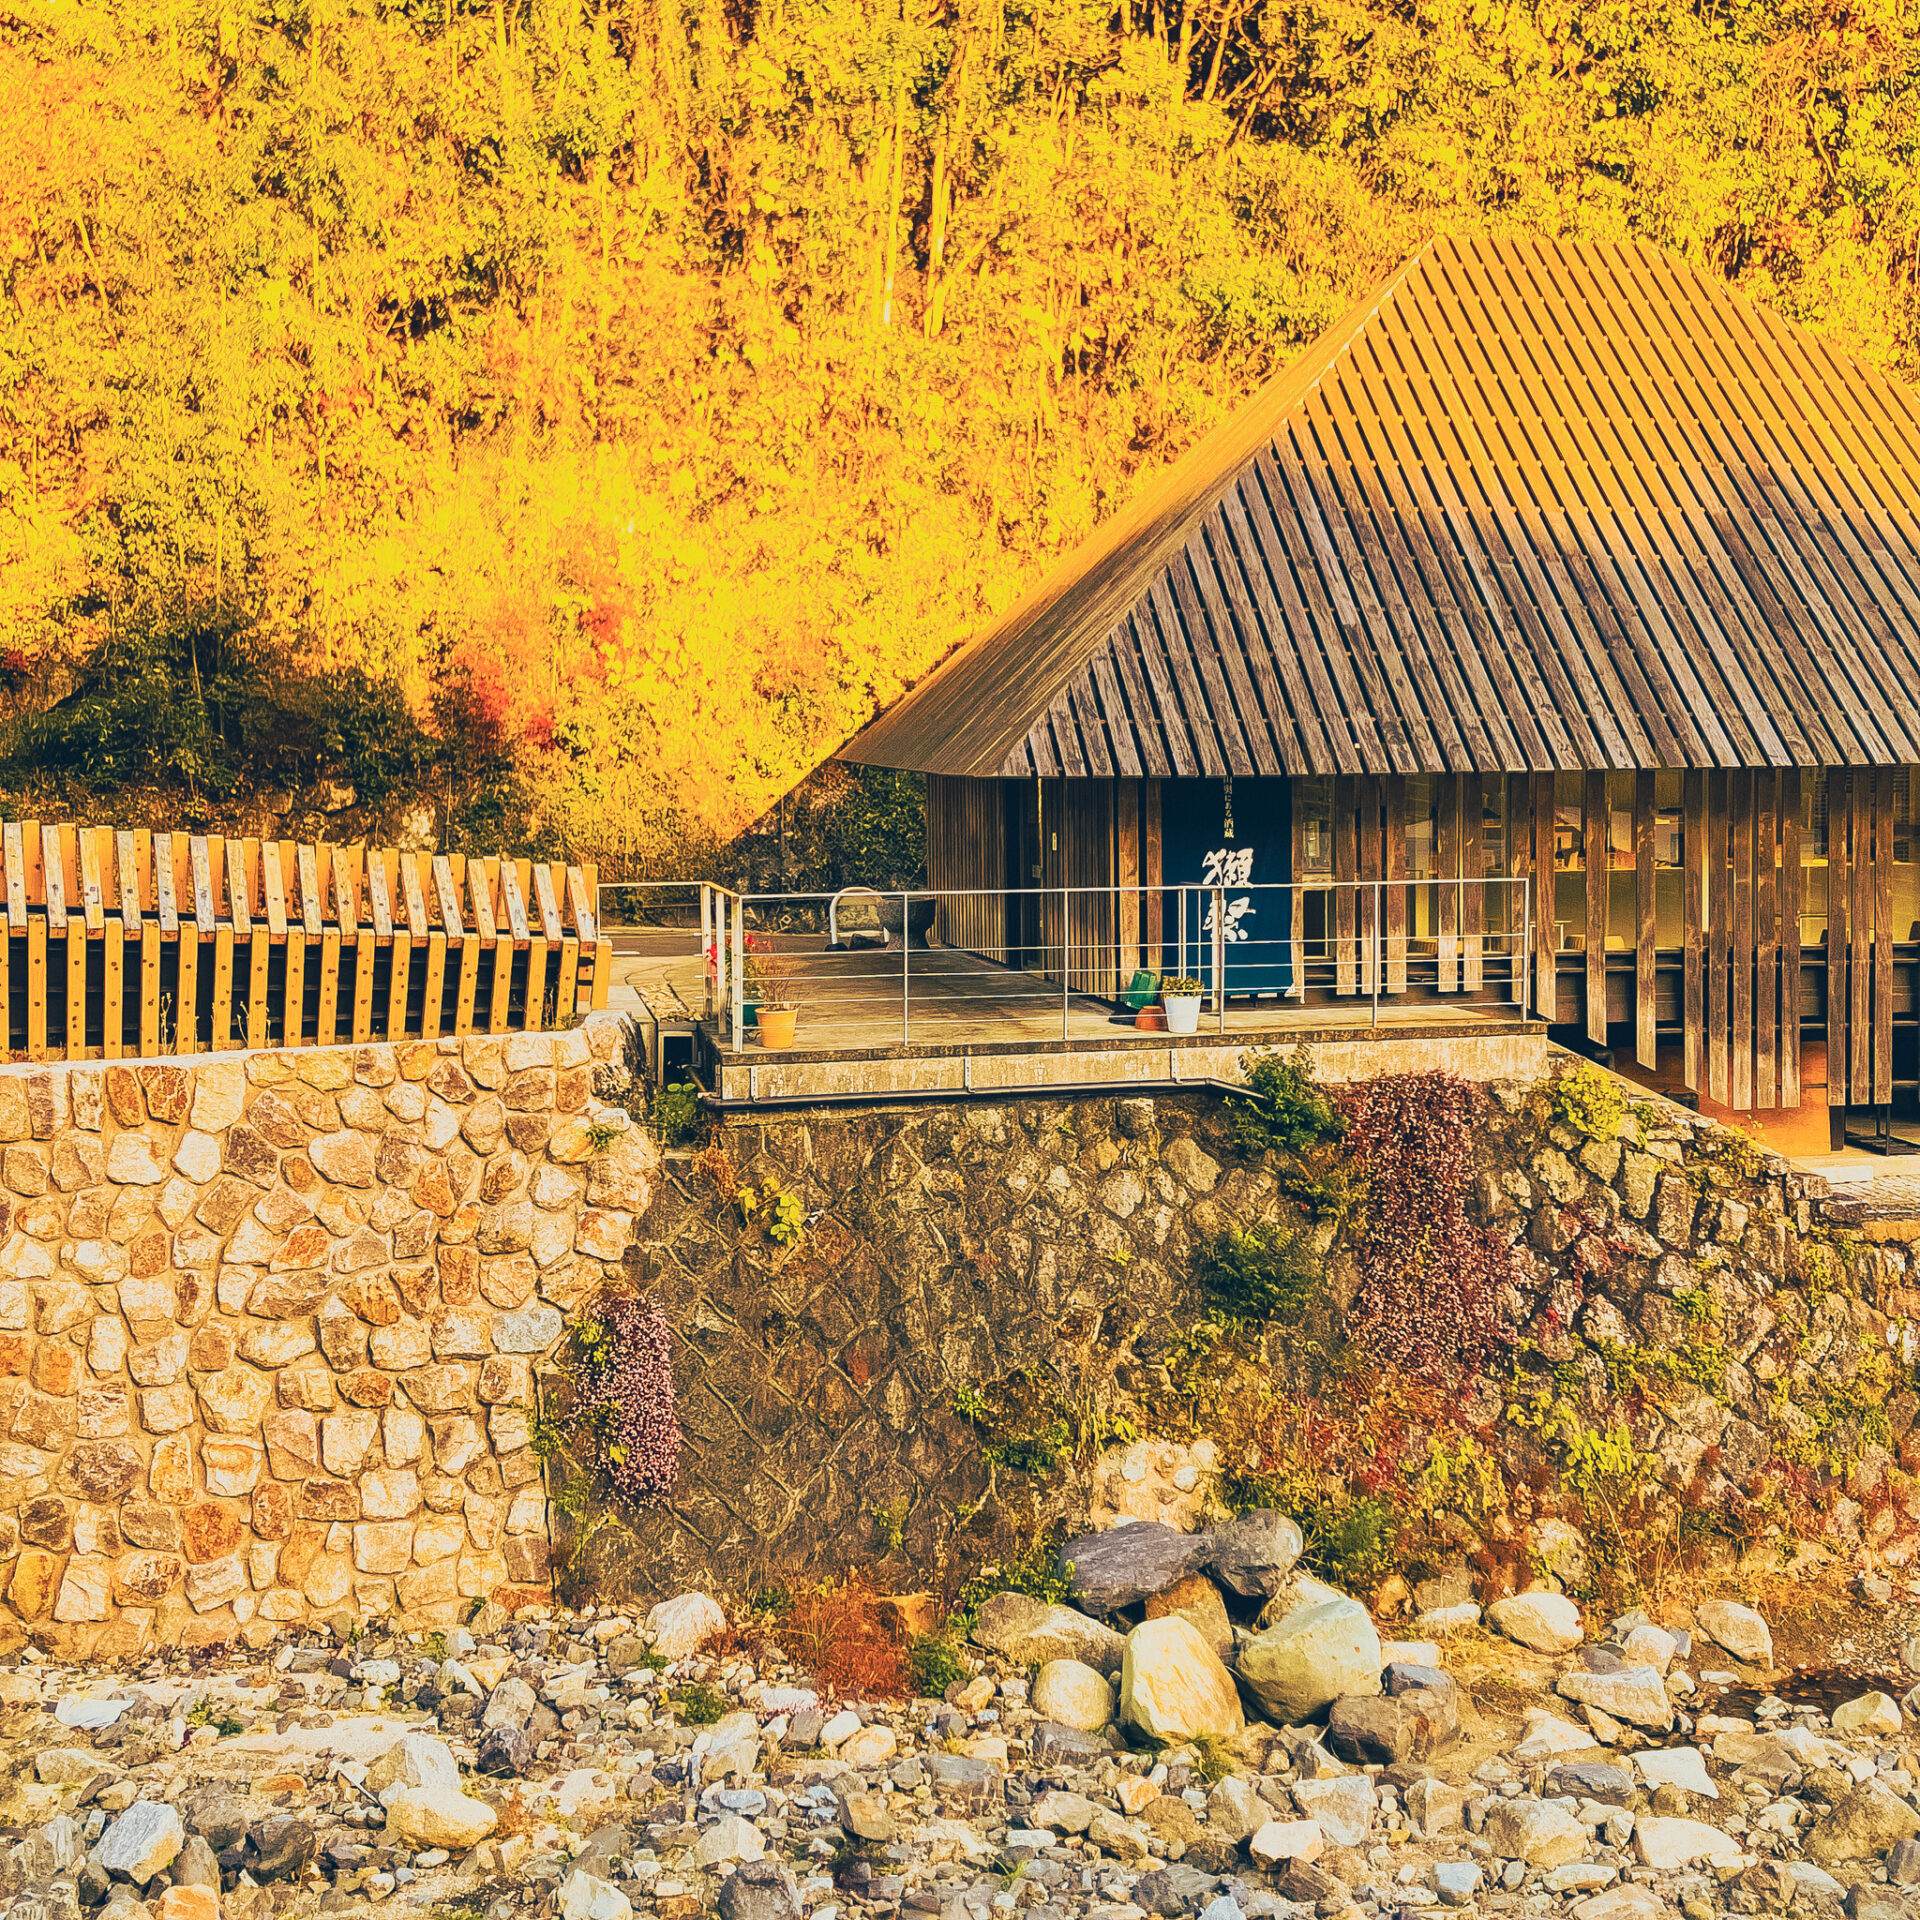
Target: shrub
{"points": [[700, 1706], [839, 1636], [935, 1663], [1282, 1110], [676, 1114], [1591, 1101], [1036, 1571], [1265, 1275]]}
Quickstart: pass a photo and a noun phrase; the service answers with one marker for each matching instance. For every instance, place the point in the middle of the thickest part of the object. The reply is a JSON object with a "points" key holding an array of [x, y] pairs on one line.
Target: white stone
{"points": [[1669, 1844], [680, 1626], [418, 1760], [1739, 1629], [1546, 1622], [1649, 1646], [1535, 1831], [1870, 1713], [729, 1838], [1638, 1695], [1343, 1808], [142, 1842], [1172, 1685], [1545, 1735], [583, 1897], [1680, 1767], [438, 1817], [1281, 1840], [1623, 1903], [843, 1726]]}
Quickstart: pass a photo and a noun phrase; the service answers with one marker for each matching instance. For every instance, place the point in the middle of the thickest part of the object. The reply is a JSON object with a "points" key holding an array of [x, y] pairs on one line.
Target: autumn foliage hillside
{"points": [[564, 423]]}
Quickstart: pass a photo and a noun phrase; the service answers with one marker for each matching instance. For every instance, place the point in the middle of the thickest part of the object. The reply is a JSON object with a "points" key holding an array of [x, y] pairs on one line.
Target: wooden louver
{"points": [[129, 943]]}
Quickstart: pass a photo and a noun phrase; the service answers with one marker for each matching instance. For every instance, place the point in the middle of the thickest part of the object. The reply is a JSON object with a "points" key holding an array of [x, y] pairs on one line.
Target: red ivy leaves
{"points": [[633, 1374], [1429, 1277]]}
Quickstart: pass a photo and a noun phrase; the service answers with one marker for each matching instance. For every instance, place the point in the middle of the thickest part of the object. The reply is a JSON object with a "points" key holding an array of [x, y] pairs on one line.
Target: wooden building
{"points": [[1554, 562]]}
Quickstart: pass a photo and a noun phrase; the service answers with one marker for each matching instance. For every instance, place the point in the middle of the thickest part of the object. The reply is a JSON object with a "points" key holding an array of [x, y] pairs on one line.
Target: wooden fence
{"points": [[125, 944]]}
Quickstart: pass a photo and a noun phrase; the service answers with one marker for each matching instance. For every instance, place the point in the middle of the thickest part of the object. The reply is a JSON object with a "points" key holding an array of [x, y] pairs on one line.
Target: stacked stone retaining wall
{"points": [[270, 1324]]}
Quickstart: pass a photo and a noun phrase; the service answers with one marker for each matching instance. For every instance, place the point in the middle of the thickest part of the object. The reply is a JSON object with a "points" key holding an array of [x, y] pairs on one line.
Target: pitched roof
{"points": [[1533, 505]]}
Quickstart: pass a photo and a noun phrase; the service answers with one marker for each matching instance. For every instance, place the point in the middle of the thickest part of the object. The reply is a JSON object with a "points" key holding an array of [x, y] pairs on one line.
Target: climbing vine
{"points": [[625, 1381], [1429, 1276]]}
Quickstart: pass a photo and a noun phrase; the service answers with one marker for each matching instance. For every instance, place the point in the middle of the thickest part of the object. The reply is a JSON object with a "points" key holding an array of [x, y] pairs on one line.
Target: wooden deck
{"points": [[967, 1023]]}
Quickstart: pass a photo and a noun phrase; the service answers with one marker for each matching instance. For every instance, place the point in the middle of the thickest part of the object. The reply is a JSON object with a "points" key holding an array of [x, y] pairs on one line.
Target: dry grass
{"points": [[841, 1637]]}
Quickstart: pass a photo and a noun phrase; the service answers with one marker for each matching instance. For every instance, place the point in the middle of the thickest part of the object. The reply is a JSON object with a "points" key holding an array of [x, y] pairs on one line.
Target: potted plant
{"points": [[1181, 996], [770, 974]]}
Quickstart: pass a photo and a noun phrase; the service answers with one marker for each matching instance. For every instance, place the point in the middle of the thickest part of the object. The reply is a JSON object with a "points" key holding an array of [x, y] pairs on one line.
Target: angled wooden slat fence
{"points": [[129, 943]]}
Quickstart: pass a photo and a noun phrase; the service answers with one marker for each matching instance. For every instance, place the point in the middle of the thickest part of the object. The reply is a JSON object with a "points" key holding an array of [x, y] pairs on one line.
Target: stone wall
{"points": [[269, 1325], [1045, 1249]]}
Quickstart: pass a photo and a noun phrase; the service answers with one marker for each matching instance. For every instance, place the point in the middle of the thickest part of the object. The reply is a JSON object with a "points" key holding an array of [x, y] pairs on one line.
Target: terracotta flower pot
{"points": [[777, 1025]]}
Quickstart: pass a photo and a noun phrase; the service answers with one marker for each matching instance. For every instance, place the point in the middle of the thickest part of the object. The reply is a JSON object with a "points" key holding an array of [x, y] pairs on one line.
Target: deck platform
{"points": [[951, 1023]]}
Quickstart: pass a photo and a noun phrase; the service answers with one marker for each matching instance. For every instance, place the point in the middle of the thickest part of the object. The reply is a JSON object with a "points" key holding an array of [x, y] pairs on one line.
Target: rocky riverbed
{"points": [[1091, 1765]]}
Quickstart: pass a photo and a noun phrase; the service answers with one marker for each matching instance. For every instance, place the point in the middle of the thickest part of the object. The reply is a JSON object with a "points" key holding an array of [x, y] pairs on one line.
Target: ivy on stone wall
{"points": [[1430, 1276]]}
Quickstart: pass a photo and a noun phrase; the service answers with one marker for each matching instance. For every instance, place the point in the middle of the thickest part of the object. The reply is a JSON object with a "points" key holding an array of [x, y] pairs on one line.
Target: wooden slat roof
{"points": [[1534, 505]]}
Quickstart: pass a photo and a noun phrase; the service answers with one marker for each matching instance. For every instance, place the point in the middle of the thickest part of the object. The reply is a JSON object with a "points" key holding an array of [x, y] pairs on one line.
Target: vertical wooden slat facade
{"points": [[1708, 956], [138, 944]]}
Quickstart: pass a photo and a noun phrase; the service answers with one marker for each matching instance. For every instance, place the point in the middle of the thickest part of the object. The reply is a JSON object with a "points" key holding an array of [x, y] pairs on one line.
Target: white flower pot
{"points": [[1183, 1011]]}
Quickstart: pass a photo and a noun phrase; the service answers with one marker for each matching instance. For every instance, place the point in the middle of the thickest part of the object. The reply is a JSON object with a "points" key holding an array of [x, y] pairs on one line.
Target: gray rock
{"points": [[1055, 1746], [1452, 1589], [967, 1785], [505, 1752], [1314, 1656], [1118, 1568], [1405, 1676], [1254, 1552], [530, 1329], [1903, 1864], [1862, 1825], [1372, 1729], [279, 1849], [1590, 1780], [1175, 1889], [220, 1817], [511, 1704], [1456, 1882], [760, 1890], [1030, 1633], [195, 1866]]}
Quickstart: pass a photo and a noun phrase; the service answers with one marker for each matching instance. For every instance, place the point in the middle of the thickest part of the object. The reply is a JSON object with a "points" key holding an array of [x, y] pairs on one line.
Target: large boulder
{"points": [[1546, 1622], [1862, 1825], [142, 1842], [684, 1624], [1030, 1633], [1637, 1695], [1072, 1693], [1254, 1553], [438, 1816], [1543, 1836], [1370, 1729], [1128, 1564], [418, 1760], [1738, 1629], [1316, 1655], [1172, 1685]]}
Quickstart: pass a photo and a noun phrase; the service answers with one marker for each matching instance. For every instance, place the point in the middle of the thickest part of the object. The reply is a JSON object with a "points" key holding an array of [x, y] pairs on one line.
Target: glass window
{"points": [[1314, 798]]}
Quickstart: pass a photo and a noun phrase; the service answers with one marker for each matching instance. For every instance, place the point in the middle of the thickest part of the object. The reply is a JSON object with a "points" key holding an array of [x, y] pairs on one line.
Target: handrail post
{"points": [[1220, 959], [1066, 967], [1378, 956], [709, 953], [906, 1019], [737, 983], [1526, 946]]}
